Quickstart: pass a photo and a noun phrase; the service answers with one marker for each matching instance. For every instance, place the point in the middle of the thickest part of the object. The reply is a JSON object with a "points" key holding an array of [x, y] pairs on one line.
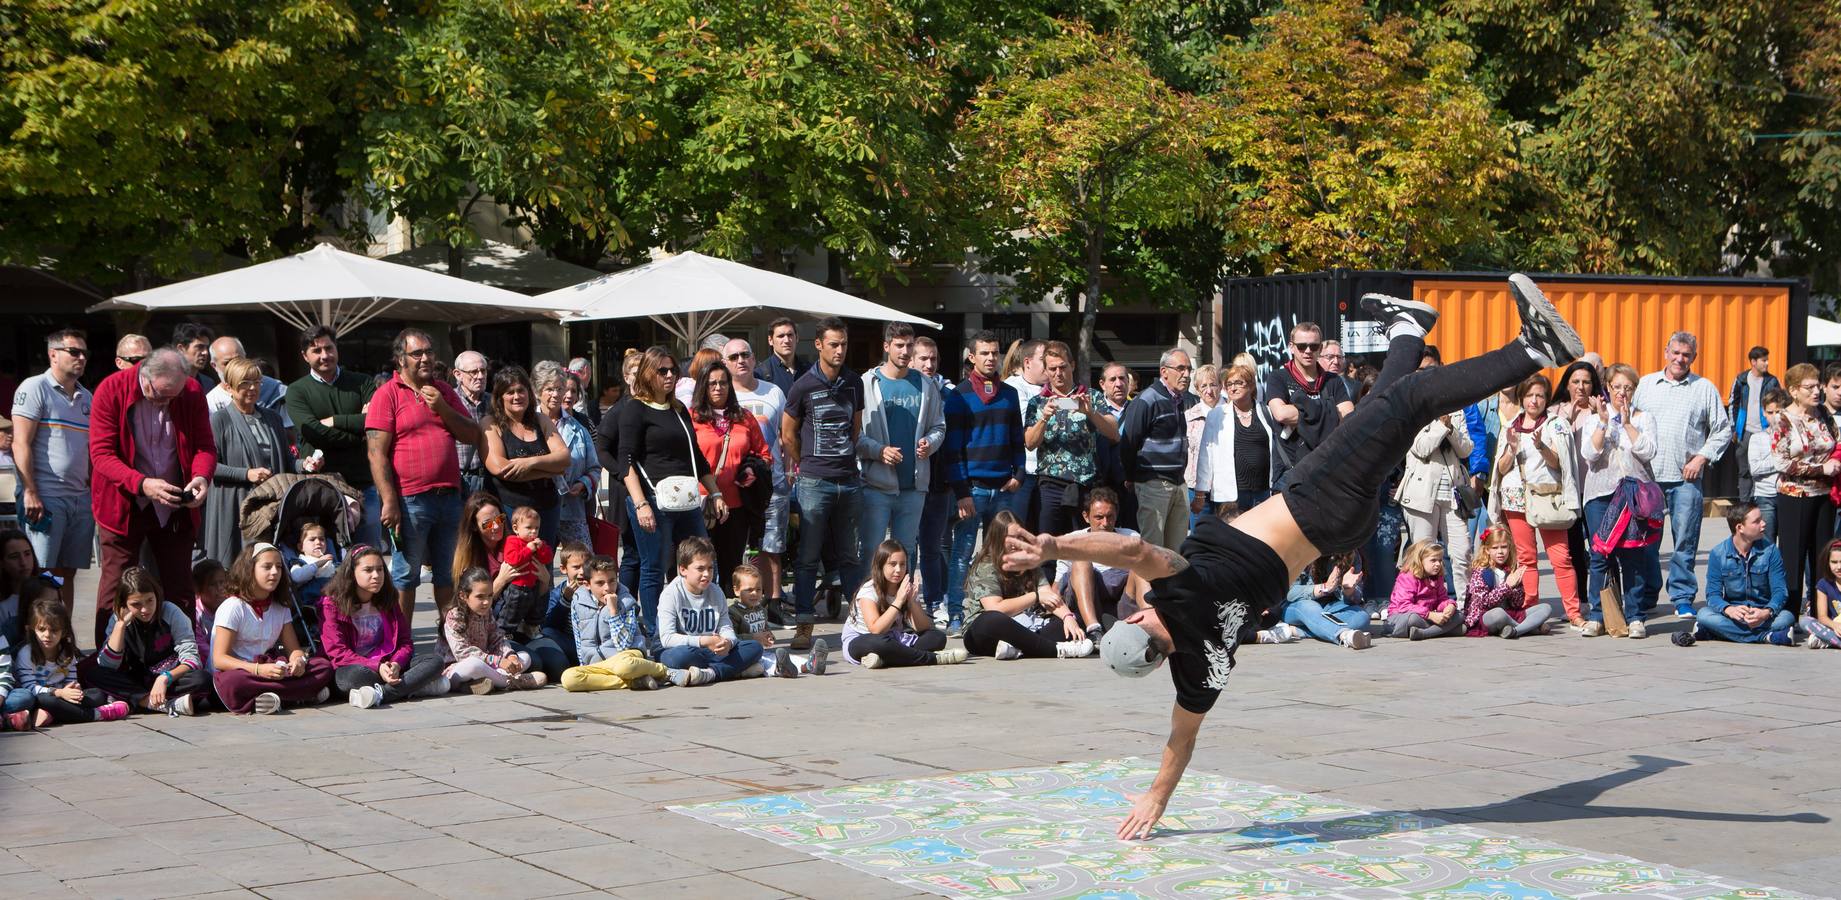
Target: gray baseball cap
{"points": [[1127, 649]]}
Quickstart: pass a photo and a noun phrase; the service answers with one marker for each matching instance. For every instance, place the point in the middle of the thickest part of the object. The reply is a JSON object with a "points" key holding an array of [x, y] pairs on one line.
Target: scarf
{"points": [[1522, 417], [986, 388], [1312, 387]]}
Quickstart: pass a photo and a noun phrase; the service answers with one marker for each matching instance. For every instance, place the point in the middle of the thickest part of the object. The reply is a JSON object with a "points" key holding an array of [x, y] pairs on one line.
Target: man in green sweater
{"points": [[328, 407]]}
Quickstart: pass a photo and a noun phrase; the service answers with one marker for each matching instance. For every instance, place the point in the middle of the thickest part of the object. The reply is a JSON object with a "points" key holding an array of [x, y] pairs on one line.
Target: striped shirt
{"points": [[60, 443], [1688, 418]]}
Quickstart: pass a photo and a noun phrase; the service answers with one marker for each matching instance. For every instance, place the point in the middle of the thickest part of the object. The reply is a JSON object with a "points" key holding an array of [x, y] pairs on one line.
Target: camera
{"points": [[187, 496]]}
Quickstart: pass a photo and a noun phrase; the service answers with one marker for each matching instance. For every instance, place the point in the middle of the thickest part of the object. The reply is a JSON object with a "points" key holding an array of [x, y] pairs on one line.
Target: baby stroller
{"points": [[277, 508]]}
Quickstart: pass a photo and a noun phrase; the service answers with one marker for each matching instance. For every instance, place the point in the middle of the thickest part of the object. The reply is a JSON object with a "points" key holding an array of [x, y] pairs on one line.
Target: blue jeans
{"points": [[629, 557], [1768, 506], [936, 514], [657, 551], [1717, 625], [17, 700], [1684, 505], [1020, 502], [1638, 571], [430, 527], [895, 515], [1324, 622], [737, 661], [986, 504], [829, 512], [370, 526], [1380, 558]]}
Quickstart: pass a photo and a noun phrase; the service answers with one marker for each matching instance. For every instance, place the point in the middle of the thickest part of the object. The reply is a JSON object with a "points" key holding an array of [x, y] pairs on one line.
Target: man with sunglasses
{"points": [[131, 349], [1306, 400], [1227, 573], [51, 453], [1154, 449]]}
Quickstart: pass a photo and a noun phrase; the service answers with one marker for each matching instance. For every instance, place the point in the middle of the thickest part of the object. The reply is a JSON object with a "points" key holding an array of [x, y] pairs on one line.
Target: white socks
{"points": [[1404, 326]]}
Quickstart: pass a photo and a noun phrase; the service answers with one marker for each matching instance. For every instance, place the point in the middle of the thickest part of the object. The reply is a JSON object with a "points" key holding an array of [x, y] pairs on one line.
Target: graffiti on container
{"points": [[1268, 341]]}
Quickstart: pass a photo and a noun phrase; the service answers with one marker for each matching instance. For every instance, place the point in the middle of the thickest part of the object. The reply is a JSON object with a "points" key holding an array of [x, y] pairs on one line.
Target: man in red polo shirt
{"points": [[151, 460], [410, 430]]}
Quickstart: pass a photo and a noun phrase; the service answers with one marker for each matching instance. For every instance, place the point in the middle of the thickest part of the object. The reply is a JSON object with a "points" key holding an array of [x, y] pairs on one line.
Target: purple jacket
{"points": [[339, 637]]}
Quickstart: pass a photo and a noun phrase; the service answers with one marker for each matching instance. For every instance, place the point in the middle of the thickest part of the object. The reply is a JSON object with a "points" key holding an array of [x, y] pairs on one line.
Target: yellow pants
{"points": [[612, 674]]}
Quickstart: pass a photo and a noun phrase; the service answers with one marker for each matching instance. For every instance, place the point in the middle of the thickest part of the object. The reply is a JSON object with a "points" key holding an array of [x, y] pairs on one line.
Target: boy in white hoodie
{"points": [[693, 624]]}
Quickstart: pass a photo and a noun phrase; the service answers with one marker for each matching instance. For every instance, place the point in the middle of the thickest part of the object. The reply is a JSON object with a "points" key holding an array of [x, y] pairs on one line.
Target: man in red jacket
{"points": [[151, 459]]}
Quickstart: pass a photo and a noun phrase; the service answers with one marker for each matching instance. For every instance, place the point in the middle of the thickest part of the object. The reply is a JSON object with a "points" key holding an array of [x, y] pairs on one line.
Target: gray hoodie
{"points": [[878, 475]]}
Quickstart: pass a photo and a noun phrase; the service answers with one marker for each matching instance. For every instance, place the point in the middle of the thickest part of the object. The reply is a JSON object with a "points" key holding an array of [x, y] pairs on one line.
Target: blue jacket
{"points": [[1755, 579], [1739, 398], [1153, 438], [600, 634], [1481, 420]]}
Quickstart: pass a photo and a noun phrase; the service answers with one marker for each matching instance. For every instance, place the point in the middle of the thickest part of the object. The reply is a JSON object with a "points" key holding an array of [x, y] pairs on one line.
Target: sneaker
{"points": [[1417, 633], [267, 703], [820, 658], [183, 706], [679, 677], [802, 637], [1685, 637], [1783, 637], [1684, 610], [20, 721], [324, 695], [1005, 651], [366, 697], [947, 657], [112, 712], [480, 687], [700, 675], [529, 681], [1392, 309], [955, 627], [1095, 633], [1593, 628], [1549, 338], [1289, 632], [1080, 649], [1355, 639], [941, 619], [1508, 632], [1267, 636], [783, 663], [1638, 630], [1812, 642], [754, 671], [643, 683], [874, 660]]}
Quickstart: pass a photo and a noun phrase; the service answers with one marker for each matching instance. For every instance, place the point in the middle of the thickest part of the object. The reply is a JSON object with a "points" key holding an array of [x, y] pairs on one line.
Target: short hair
{"points": [[829, 324], [58, 337], [1102, 494], [783, 320], [895, 330], [921, 340], [206, 569], [163, 363], [1246, 374], [693, 548], [185, 333], [1829, 373], [1757, 353], [236, 342], [1430, 352], [311, 336], [131, 339], [1059, 350], [240, 371], [1527, 386], [308, 526], [984, 336], [526, 514], [571, 549], [1736, 513], [1208, 370], [1169, 356], [1685, 339], [1774, 395], [601, 563], [544, 374], [1114, 365], [712, 341], [735, 577], [400, 344], [1615, 370], [1303, 326], [1799, 373]]}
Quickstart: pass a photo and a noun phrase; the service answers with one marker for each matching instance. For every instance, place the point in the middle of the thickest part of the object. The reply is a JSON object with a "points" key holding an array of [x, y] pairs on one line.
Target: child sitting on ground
{"points": [[748, 616], [520, 607], [149, 658], [311, 563], [608, 640], [693, 625], [1420, 607], [1824, 619], [1496, 602], [476, 652], [210, 585], [558, 615], [46, 666], [888, 624], [257, 656]]}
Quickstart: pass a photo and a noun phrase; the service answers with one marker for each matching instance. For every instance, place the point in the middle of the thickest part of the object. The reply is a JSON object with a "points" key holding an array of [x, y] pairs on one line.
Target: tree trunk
{"points": [[456, 260], [1089, 300]]}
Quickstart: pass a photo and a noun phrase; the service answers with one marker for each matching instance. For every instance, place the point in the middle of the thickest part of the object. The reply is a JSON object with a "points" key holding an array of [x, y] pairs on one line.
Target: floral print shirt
{"points": [[1068, 451]]}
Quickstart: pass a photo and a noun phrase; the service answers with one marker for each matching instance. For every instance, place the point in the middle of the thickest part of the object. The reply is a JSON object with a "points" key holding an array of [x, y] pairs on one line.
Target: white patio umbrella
{"points": [[329, 286], [692, 295], [1823, 333]]}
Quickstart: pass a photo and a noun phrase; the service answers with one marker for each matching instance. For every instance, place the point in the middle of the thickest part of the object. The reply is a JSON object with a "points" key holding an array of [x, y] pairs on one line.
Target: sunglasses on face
{"points": [[745, 354], [665, 371], [1308, 346], [77, 352], [131, 360]]}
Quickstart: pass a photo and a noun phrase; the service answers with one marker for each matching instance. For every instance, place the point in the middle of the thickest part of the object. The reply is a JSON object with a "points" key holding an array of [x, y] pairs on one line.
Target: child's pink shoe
{"points": [[19, 721], [112, 712]]}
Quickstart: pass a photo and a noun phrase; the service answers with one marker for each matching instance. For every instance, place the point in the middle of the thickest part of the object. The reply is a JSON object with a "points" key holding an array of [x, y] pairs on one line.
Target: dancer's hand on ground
{"points": [[1146, 810], [1024, 551]]}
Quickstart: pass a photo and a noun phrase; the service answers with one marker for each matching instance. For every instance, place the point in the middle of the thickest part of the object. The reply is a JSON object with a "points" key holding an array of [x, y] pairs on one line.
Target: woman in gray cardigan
{"points": [[252, 446]]}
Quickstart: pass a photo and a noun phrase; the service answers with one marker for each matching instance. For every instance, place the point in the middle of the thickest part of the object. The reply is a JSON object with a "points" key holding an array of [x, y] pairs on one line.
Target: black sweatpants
{"points": [[1804, 526], [134, 686], [64, 712], [1334, 492], [896, 654], [422, 669], [987, 628]]}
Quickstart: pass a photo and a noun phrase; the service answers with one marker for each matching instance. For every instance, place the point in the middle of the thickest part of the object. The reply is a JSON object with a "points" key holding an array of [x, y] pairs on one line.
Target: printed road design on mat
{"points": [[1049, 832]]}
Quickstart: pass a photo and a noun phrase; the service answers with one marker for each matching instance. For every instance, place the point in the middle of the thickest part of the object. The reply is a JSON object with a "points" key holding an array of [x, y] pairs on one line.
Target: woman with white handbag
{"points": [[669, 485], [1535, 490]]}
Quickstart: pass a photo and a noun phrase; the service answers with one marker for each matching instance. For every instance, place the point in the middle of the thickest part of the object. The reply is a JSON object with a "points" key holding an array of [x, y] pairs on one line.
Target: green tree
{"points": [[1080, 156], [141, 137], [1356, 142]]}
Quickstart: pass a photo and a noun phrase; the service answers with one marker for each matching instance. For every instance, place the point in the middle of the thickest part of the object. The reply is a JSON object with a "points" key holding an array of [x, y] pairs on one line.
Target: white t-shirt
{"points": [[254, 636], [1063, 567], [1025, 392], [767, 404]]}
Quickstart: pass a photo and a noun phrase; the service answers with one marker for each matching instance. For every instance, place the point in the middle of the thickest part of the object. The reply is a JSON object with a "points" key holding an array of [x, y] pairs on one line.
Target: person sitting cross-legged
{"points": [[1102, 594], [1745, 587], [1329, 608], [608, 638], [1497, 602], [700, 645]]}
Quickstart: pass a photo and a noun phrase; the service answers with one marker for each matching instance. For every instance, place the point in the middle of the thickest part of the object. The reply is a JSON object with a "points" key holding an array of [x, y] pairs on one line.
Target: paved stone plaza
{"points": [[1715, 758]]}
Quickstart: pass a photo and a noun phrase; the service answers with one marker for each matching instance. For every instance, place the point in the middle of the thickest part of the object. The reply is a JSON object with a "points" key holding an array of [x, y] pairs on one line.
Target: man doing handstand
{"points": [[1327, 504]]}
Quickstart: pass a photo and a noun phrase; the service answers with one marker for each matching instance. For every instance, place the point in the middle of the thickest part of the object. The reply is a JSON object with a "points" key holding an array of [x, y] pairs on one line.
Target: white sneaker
{"points": [[184, 706], [1638, 630], [753, 671], [1267, 636], [1592, 629], [1080, 649], [1812, 642], [1354, 639], [1005, 651], [1289, 632], [872, 660], [267, 703], [367, 697], [948, 657]]}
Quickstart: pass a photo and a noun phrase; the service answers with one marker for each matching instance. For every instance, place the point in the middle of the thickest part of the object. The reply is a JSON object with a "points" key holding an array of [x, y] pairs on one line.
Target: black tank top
{"points": [[538, 493]]}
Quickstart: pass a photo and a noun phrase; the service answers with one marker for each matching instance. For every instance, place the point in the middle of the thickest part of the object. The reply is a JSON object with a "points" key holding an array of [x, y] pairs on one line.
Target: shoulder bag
{"points": [[676, 493], [1548, 506]]}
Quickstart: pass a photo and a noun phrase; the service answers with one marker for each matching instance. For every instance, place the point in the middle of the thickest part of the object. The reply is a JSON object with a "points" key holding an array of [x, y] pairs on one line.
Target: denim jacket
{"points": [[1755, 579]]}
